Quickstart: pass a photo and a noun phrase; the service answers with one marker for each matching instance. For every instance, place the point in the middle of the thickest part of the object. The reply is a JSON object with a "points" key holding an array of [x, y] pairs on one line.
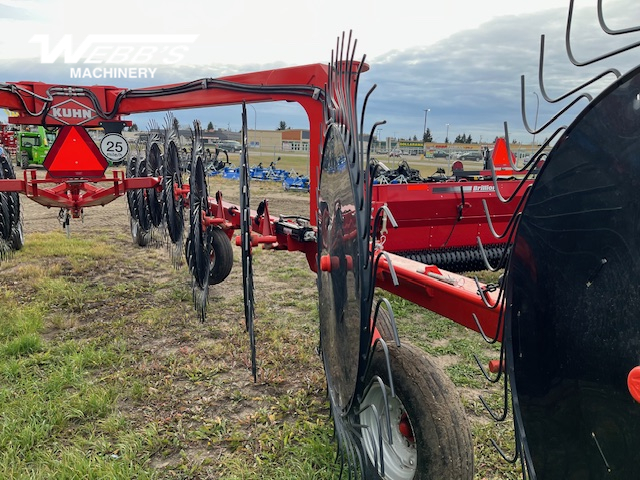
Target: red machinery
{"points": [[79, 180], [8, 139], [565, 310], [75, 179], [358, 237]]}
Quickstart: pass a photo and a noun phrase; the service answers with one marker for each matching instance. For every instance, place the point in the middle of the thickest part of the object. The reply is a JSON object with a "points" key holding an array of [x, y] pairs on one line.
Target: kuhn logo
{"points": [[72, 112]]}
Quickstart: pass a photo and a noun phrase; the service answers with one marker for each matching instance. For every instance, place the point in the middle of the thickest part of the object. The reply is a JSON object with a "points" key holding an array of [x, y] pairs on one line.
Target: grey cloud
{"points": [[470, 81]]}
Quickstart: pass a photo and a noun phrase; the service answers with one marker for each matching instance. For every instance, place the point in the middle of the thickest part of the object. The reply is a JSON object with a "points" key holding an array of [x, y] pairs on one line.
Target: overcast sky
{"points": [[461, 60]]}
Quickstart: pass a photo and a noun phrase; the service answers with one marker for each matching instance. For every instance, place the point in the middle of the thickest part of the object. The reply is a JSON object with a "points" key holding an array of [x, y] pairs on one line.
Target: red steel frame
{"points": [[453, 296]]}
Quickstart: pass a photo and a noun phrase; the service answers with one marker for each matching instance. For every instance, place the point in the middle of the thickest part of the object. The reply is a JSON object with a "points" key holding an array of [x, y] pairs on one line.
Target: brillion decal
{"points": [[465, 189], [72, 112]]}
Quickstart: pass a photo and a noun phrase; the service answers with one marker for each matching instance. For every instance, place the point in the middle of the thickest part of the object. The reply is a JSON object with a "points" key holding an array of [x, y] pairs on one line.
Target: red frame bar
{"points": [[457, 299]]}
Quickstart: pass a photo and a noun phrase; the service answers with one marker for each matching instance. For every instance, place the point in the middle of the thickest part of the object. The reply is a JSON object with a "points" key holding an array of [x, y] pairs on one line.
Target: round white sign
{"points": [[114, 146]]}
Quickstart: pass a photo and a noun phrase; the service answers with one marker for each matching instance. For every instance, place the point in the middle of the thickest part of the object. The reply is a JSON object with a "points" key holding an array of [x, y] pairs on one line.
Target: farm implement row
{"points": [[290, 180], [562, 229]]}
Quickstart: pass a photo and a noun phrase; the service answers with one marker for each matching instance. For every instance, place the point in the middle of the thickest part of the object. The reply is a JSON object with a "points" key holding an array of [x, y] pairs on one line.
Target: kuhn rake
{"points": [[562, 229]]}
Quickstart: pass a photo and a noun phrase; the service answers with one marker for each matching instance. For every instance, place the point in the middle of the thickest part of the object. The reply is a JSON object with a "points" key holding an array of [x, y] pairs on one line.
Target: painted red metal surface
{"points": [[8, 139], [451, 295], [444, 214], [76, 194], [39, 103]]}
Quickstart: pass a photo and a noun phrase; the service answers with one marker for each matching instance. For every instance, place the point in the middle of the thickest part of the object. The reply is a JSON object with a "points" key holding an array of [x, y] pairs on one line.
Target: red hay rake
{"points": [[566, 238]]}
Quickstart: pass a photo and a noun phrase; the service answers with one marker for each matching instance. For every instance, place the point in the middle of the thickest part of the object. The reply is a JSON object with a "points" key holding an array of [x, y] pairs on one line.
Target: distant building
{"points": [[289, 140]]}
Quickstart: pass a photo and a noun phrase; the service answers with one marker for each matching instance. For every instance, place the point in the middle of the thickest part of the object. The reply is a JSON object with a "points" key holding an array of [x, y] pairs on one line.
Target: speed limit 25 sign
{"points": [[114, 146]]}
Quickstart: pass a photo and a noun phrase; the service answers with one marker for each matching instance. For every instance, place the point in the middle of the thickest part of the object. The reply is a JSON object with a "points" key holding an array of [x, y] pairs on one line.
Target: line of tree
{"points": [[463, 139]]}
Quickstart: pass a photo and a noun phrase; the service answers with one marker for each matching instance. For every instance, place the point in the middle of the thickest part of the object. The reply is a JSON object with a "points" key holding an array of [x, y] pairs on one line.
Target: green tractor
{"points": [[33, 146]]}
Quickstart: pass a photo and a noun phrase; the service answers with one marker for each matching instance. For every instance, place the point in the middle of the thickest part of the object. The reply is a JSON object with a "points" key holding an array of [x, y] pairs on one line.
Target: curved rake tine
{"points": [[367, 172], [386, 402], [608, 30], [528, 471], [369, 191], [491, 341], [364, 107], [484, 372], [538, 155], [612, 71], [345, 454], [511, 221], [392, 271], [505, 396], [485, 259], [496, 185], [485, 337], [339, 436], [594, 59], [510, 460], [372, 439], [357, 431], [498, 418], [385, 348], [503, 258], [378, 218], [484, 297], [380, 438], [529, 166], [564, 109], [396, 338], [352, 454]]}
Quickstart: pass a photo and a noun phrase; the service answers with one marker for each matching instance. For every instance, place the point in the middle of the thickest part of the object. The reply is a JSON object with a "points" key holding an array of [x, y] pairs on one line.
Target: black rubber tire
{"points": [[17, 237], [173, 208], [154, 198], [131, 194], [16, 240], [24, 160], [440, 427], [221, 257], [5, 218], [140, 236], [144, 215]]}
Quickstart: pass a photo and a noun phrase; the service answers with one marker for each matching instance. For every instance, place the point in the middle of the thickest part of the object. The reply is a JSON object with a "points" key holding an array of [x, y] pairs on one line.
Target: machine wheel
{"points": [[173, 207], [17, 237], [221, 257], [5, 220], [141, 201], [140, 236], [131, 194], [154, 198], [429, 428], [24, 160]]}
